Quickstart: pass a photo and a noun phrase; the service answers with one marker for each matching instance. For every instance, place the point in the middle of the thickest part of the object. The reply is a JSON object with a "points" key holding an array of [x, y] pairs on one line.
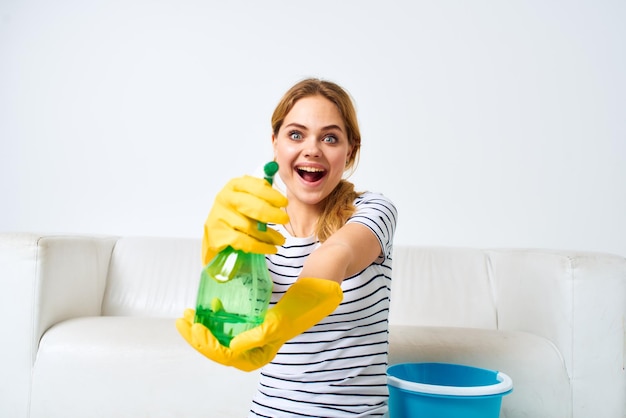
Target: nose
{"points": [[312, 147]]}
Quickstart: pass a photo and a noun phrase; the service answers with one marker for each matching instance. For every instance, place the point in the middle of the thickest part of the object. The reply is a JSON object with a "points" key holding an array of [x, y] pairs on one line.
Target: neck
{"points": [[301, 223]]}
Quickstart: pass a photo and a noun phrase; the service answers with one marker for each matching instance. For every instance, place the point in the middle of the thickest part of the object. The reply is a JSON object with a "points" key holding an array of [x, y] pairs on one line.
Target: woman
{"points": [[323, 344]]}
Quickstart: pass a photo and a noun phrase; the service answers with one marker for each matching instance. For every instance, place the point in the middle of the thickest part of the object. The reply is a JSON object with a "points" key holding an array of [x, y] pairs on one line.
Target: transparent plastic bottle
{"points": [[235, 289]]}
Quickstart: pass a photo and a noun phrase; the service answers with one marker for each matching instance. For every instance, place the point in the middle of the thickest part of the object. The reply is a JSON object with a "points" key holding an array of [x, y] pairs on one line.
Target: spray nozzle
{"points": [[270, 170]]}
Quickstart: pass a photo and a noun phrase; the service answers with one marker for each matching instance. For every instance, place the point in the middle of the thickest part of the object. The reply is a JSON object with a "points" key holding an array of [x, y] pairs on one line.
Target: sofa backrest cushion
{"points": [[152, 277], [442, 287]]}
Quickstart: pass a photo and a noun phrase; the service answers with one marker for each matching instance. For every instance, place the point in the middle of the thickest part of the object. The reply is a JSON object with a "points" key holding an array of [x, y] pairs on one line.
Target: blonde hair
{"points": [[339, 204]]}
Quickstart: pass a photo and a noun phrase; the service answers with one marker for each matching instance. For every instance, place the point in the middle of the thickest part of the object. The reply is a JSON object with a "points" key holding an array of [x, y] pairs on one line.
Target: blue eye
{"points": [[330, 139], [295, 135]]}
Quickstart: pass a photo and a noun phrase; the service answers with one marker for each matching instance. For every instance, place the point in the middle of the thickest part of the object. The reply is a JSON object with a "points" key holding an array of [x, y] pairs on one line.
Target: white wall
{"points": [[489, 123]]}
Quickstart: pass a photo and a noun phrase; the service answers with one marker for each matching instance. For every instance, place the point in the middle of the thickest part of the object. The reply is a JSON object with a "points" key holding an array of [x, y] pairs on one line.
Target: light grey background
{"points": [[489, 123]]}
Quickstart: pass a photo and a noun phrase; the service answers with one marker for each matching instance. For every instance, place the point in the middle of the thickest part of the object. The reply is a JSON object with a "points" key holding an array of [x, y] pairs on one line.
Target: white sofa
{"points": [[88, 327]]}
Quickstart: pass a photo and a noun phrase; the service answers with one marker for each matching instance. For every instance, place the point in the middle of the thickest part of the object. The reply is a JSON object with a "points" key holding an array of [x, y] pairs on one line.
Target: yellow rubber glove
{"points": [[233, 219], [307, 302], [200, 338]]}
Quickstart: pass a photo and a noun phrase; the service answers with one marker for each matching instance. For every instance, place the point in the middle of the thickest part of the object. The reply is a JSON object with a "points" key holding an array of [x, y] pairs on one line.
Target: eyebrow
{"points": [[325, 128]]}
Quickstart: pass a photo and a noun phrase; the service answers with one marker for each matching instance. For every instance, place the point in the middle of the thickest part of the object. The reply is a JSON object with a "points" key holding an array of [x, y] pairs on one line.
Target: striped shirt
{"points": [[338, 367]]}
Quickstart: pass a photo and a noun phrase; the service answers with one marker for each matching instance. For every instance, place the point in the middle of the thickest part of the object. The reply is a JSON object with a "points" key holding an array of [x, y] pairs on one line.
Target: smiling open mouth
{"points": [[311, 174]]}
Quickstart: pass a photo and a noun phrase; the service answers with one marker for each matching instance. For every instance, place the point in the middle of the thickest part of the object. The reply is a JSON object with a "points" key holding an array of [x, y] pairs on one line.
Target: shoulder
{"points": [[377, 212], [375, 201]]}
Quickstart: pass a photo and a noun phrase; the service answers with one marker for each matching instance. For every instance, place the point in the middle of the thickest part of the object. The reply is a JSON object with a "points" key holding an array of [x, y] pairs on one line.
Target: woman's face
{"points": [[311, 149]]}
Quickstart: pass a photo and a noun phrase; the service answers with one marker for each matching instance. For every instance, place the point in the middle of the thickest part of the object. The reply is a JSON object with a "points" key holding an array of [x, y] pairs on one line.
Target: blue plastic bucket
{"points": [[440, 390]]}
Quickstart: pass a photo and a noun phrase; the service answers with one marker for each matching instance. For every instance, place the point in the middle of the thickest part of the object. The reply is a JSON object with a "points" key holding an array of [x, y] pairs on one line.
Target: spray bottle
{"points": [[235, 288]]}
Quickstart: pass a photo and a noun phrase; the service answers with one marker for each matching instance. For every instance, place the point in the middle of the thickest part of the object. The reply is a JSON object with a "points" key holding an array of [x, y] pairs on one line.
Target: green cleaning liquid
{"points": [[224, 326]]}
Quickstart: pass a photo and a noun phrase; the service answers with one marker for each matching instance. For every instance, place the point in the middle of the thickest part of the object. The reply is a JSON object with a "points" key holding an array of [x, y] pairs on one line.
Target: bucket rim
{"points": [[503, 387]]}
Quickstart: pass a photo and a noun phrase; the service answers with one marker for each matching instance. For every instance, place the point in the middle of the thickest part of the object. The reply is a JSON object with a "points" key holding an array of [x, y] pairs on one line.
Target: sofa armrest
{"points": [[43, 280], [577, 300]]}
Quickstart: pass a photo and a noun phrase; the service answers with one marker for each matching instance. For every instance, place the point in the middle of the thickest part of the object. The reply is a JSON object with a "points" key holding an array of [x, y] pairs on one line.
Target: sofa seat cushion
{"points": [[131, 367], [541, 385]]}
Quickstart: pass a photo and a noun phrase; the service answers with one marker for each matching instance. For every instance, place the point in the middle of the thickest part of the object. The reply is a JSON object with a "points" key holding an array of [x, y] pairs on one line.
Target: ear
{"points": [[274, 145], [349, 156]]}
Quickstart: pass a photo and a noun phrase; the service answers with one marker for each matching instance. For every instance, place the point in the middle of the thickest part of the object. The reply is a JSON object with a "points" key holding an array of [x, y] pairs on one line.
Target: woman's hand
{"points": [[307, 302], [200, 338], [236, 212]]}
